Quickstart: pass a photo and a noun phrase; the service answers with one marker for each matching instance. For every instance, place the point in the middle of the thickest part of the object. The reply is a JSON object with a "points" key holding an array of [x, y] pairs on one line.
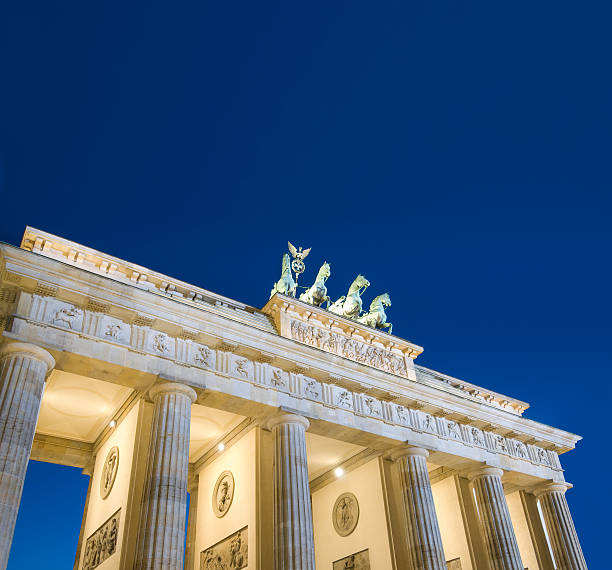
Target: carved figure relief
{"points": [[429, 424], [454, 564], [114, 331], [453, 430], [242, 367], [357, 561], [345, 514], [372, 406], [109, 472], [223, 495], [542, 456], [476, 436], [344, 399], [278, 378], [521, 450], [102, 543], [232, 553], [203, 356], [312, 389], [349, 348], [402, 414], [67, 317], [160, 343], [500, 443]]}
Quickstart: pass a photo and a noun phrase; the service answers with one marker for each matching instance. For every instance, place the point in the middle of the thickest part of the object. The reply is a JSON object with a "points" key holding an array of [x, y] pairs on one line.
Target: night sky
{"points": [[457, 154]]}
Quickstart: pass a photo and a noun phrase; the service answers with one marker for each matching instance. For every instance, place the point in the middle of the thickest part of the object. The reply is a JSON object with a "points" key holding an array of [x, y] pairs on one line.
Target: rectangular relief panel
{"points": [[102, 544], [357, 561], [231, 553]]}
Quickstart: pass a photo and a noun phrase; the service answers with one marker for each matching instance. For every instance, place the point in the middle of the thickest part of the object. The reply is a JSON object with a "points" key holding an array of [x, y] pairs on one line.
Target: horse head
{"points": [[383, 299], [324, 272], [360, 281]]}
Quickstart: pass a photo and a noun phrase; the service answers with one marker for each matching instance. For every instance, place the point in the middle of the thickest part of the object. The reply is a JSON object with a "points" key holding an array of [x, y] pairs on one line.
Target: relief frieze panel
{"points": [[114, 330], [142, 338], [350, 348], [203, 356], [311, 389], [162, 344], [231, 553], [102, 544]]}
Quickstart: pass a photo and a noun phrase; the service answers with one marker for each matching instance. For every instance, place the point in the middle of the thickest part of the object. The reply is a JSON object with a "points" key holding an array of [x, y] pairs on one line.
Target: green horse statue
{"points": [[350, 306], [316, 294], [285, 285], [376, 317]]}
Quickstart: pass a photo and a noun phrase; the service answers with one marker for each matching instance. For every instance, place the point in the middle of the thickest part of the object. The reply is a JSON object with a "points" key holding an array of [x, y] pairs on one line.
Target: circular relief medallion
{"points": [[345, 514], [109, 472], [223, 494]]}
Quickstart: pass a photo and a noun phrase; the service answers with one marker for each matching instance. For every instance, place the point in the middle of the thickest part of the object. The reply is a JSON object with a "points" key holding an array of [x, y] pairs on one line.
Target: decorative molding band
{"points": [[225, 359]]}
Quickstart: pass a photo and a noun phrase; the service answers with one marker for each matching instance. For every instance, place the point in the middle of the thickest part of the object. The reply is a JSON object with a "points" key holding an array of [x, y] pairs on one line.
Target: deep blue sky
{"points": [[457, 154]]}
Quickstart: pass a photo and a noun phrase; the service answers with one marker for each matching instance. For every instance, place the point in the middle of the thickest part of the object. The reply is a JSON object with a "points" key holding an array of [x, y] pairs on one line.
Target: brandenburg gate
{"points": [[297, 436]]}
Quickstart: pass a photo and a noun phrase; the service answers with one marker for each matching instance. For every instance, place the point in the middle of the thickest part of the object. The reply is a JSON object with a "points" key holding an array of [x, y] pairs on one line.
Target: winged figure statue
{"points": [[298, 253]]}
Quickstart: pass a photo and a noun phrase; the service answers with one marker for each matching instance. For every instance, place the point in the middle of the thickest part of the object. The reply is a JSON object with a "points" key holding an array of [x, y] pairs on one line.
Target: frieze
{"points": [[142, 338], [349, 348], [357, 561], [102, 544], [231, 553], [203, 356]]}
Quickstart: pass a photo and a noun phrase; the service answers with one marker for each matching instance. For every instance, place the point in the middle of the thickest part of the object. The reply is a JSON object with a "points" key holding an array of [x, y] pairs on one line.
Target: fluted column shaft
{"points": [[560, 526], [23, 369], [494, 518], [192, 520], [293, 534], [424, 539], [162, 529]]}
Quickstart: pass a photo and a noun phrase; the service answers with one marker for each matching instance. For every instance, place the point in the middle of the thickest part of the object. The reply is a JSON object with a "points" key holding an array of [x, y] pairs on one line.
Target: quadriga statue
{"points": [[376, 317], [350, 305], [285, 285], [316, 294]]}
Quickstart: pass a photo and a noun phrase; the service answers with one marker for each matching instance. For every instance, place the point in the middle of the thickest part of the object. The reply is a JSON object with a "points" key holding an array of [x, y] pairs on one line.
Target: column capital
{"points": [[285, 418], [486, 472], [409, 452], [551, 487], [30, 350], [172, 388]]}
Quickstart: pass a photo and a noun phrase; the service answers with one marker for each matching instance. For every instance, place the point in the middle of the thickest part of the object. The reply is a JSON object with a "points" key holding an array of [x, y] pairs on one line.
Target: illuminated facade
{"points": [[303, 438]]}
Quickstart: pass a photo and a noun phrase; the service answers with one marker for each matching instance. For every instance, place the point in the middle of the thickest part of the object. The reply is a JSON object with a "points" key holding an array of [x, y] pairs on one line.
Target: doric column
{"points": [[560, 526], [424, 539], [192, 520], [89, 472], [293, 534], [162, 528], [23, 369], [494, 518]]}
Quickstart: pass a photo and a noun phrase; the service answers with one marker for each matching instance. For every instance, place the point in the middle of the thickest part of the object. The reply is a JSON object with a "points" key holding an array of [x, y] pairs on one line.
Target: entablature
{"points": [[74, 302]]}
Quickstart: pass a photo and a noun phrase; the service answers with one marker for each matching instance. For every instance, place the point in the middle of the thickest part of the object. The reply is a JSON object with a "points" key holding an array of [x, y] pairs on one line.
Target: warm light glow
{"points": [[221, 446], [112, 424], [338, 471]]}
